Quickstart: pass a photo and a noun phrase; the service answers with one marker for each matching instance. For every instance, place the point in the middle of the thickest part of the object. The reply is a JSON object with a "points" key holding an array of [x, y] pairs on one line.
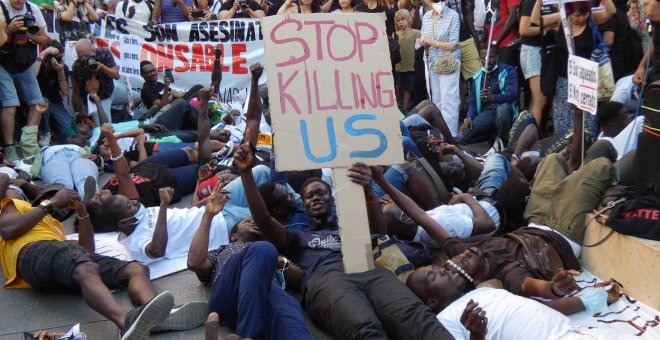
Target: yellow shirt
{"points": [[47, 229]]}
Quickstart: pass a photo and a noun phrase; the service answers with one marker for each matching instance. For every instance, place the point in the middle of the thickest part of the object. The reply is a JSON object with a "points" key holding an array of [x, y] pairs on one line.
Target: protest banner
{"points": [[187, 48], [332, 104], [583, 83], [129, 55]]}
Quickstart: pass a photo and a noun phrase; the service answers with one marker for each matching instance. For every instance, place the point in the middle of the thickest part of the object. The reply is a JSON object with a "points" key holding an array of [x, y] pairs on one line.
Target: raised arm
{"points": [[360, 173], [600, 17], [273, 230], [550, 20], [119, 164], [253, 114], [156, 248], [408, 206], [216, 74], [198, 260], [85, 230]]}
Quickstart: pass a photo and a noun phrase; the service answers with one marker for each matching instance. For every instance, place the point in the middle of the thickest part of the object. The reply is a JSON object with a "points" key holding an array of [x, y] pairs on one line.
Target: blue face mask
{"points": [[139, 215]]}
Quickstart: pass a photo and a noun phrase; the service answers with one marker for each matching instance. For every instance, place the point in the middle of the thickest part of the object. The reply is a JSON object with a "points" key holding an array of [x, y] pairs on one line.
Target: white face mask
{"points": [[438, 6], [139, 215]]}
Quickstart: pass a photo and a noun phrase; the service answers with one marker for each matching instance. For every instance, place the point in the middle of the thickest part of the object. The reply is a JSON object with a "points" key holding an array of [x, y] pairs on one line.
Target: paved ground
{"points": [[24, 310]]}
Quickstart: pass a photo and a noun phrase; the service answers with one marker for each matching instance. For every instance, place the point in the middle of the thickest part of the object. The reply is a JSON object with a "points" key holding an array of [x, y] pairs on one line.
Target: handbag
{"points": [[395, 50], [548, 68], [540, 258], [601, 55], [445, 64]]}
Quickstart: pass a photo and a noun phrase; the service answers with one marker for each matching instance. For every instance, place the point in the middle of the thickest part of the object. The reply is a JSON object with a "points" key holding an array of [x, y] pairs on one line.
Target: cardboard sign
{"points": [[331, 91], [129, 55], [583, 83]]}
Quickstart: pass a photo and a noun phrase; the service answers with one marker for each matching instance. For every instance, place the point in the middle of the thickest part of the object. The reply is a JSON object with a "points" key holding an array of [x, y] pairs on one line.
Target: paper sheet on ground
{"points": [[626, 316], [107, 244]]}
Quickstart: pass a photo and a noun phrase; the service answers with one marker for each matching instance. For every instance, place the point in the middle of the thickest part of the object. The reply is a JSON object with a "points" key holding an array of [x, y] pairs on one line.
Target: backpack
{"points": [[17, 58], [420, 134], [633, 210]]}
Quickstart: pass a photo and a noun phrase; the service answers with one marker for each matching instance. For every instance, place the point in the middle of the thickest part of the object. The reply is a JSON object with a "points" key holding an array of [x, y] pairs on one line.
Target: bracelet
{"points": [[114, 159], [552, 290], [61, 79], [40, 59], [516, 157], [80, 218]]}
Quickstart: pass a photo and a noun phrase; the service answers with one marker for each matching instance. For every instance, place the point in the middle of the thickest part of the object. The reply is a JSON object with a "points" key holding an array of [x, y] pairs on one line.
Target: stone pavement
{"points": [[24, 310]]}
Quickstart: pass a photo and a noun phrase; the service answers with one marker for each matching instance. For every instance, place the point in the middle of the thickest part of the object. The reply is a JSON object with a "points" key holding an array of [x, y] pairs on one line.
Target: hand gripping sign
{"points": [[332, 104]]}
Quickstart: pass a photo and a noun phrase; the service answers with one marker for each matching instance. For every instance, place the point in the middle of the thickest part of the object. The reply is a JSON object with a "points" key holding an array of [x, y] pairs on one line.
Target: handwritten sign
{"points": [[332, 104], [583, 83], [129, 54], [331, 91]]}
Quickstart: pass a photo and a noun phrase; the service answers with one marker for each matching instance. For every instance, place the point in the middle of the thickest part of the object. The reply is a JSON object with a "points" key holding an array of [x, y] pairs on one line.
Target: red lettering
{"points": [[358, 87], [164, 58], [238, 61], [148, 52], [179, 51], [197, 60], [655, 215], [277, 41]]}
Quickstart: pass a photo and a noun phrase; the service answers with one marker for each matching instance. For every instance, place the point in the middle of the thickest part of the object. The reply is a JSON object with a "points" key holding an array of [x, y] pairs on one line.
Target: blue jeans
{"points": [[496, 171], [23, 83], [119, 96], [56, 120], [261, 174], [68, 168], [409, 145], [396, 176], [487, 122], [247, 298], [179, 164]]}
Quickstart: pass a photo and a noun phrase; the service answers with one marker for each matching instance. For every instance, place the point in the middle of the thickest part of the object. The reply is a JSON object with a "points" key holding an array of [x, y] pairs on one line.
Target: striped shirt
{"points": [[446, 30]]}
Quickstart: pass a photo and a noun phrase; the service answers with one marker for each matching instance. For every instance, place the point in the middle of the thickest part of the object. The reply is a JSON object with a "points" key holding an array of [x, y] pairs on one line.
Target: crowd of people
{"points": [[253, 234]]}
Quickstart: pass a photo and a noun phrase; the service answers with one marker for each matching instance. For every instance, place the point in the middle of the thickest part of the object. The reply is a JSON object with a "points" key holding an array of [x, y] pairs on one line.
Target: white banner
{"points": [[187, 48], [583, 83]]}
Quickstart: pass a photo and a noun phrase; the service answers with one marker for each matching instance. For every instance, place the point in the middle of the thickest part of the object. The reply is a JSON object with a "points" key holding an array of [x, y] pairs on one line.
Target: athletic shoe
{"points": [[10, 154], [189, 316], [90, 188], [498, 145], [212, 324], [44, 140], [224, 153], [140, 321]]}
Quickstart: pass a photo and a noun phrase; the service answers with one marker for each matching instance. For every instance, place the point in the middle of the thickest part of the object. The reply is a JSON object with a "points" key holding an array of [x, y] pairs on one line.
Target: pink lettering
{"points": [[285, 96], [389, 94], [329, 39], [317, 26], [302, 42], [368, 40]]}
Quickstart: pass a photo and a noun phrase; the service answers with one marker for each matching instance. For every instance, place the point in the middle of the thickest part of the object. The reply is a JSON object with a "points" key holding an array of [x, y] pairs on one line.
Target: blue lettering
{"points": [[348, 126], [330, 126]]}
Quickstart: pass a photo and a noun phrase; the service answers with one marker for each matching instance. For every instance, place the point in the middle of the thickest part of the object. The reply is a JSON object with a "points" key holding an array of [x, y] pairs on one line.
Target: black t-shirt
{"points": [[312, 250], [240, 14], [583, 43], [525, 10], [49, 84], [274, 6], [389, 16], [81, 75], [457, 5], [620, 25], [148, 178], [152, 92]]}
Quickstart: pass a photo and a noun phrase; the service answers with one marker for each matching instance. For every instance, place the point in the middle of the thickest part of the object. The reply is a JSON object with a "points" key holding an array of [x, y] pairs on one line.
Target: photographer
{"points": [[25, 29], [74, 17], [241, 9], [53, 77], [203, 11], [95, 71], [172, 11]]}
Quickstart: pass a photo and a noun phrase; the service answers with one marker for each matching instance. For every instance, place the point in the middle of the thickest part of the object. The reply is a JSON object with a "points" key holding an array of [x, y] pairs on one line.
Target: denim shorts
{"points": [[530, 60], [23, 83]]}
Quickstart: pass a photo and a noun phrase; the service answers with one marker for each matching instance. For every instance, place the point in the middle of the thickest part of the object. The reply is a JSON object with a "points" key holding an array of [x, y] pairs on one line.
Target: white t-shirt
{"points": [[509, 316], [182, 225], [38, 17], [142, 11], [456, 219]]}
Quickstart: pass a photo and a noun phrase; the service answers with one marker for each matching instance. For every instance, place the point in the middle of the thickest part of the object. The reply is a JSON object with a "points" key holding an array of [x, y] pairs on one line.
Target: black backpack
{"points": [[17, 58]]}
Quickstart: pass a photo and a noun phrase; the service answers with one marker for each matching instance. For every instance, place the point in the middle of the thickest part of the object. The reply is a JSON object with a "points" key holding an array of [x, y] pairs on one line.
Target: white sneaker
{"points": [[44, 140]]}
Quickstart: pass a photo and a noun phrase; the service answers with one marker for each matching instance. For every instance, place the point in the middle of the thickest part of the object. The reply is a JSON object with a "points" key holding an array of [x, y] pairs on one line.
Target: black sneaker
{"points": [[90, 188], [140, 321], [189, 316], [224, 153]]}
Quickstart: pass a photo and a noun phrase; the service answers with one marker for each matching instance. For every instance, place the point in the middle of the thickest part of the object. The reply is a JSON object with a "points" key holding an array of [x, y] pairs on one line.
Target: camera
{"points": [[243, 3], [89, 62], [28, 22]]}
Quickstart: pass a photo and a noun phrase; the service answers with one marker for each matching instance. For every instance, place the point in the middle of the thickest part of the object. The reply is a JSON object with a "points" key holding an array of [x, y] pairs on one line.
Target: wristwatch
{"points": [[494, 43], [47, 206], [39, 59]]}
